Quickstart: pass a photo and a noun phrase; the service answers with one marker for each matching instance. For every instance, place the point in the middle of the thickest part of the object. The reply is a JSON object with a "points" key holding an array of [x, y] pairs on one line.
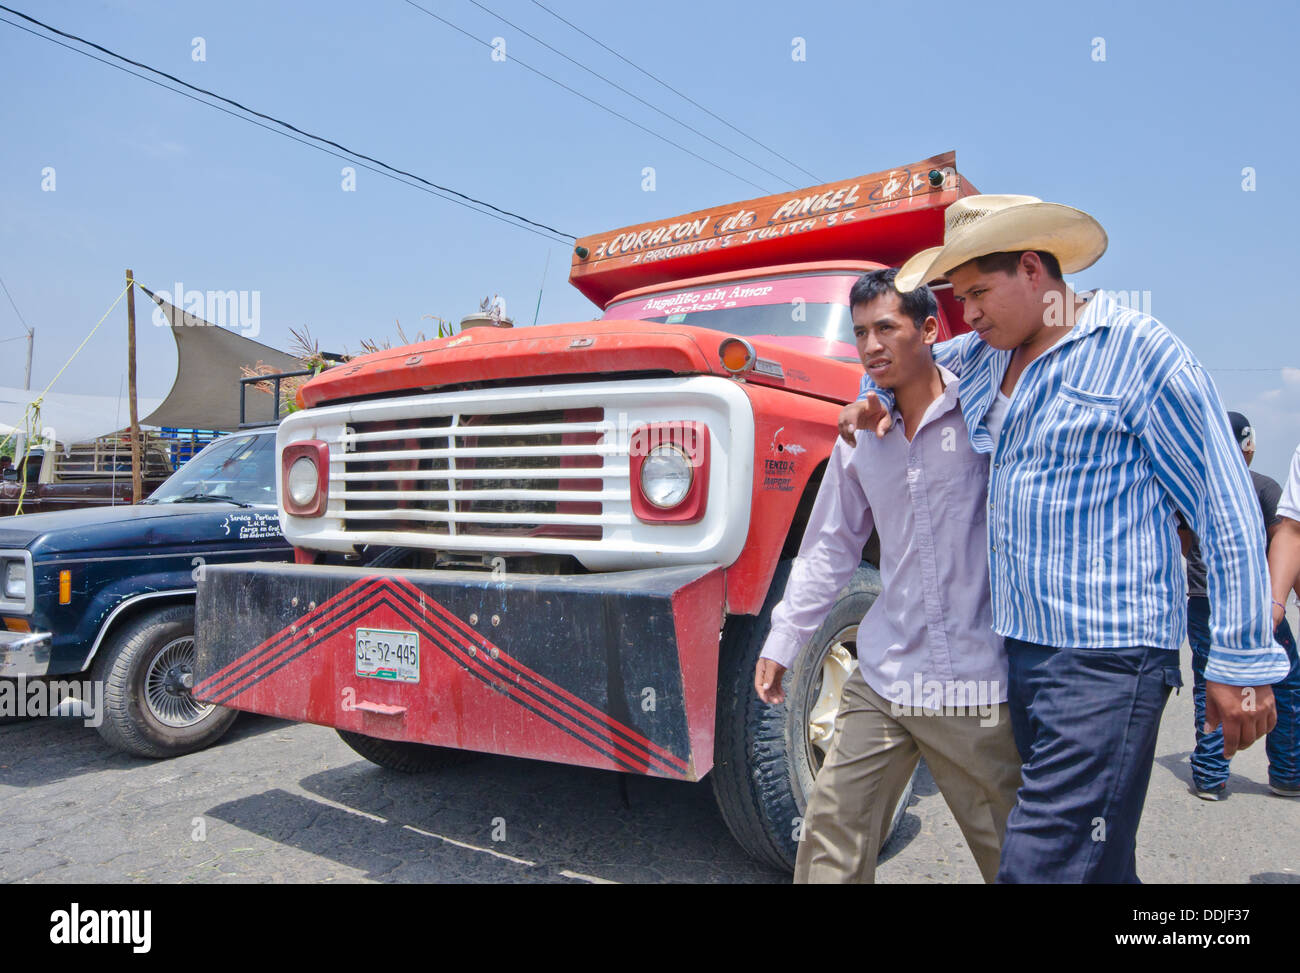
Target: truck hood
{"points": [[130, 528], [578, 349]]}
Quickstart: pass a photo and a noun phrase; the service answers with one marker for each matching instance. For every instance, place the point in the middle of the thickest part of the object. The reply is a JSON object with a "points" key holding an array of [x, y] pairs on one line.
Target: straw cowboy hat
{"points": [[980, 225]]}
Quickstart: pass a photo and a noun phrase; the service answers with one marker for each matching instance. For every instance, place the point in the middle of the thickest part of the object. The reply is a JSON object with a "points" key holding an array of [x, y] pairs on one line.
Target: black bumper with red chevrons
{"points": [[615, 670]]}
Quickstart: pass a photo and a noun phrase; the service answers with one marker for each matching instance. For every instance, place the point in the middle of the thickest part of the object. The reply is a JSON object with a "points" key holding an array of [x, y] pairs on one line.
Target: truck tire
{"points": [[148, 710], [403, 756], [764, 759]]}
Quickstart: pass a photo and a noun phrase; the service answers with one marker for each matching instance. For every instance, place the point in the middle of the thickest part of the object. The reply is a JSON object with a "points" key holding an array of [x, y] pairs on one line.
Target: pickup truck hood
{"points": [[578, 349], [161, 526]]}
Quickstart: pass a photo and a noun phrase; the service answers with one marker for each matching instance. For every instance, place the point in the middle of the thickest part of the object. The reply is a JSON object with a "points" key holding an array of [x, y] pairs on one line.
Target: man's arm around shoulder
{"points": [[874, 406]]}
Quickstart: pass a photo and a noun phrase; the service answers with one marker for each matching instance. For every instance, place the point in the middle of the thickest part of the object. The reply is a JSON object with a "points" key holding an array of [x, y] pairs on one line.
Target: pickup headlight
{"points": [[16, 581]]}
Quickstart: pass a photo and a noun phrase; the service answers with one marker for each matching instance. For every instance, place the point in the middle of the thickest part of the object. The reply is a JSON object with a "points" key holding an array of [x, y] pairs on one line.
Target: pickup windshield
{"points": [[238, 470], [793, 305]]}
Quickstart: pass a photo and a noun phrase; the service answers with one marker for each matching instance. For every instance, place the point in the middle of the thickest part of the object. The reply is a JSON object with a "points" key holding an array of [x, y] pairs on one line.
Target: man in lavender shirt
{"points": [[931, 675]]}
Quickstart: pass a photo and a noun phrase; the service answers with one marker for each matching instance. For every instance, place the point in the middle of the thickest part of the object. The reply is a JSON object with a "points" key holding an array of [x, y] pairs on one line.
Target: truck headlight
{"points": [[302, 481], [666, 476], [669, 464], [304, 478]]}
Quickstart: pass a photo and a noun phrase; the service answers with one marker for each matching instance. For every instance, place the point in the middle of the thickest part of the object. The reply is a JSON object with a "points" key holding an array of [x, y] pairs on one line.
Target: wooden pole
{"points": [[31, 339], [137, 473]]}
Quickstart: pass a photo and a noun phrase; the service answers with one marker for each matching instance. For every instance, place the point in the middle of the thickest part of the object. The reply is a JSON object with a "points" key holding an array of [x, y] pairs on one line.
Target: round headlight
{"points": [[666, 476], [303, 481]]}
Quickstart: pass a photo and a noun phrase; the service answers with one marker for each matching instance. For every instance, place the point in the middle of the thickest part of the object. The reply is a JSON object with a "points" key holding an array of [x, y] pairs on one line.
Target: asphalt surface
{"points": [[283, 802]]}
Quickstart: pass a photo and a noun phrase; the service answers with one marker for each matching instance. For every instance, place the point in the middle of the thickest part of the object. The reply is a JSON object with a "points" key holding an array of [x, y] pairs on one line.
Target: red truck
{"points": [[587, 525]]}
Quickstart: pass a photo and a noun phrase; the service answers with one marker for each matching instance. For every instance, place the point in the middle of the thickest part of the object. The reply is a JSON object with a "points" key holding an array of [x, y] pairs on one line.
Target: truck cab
{"points": [[587, 524]]}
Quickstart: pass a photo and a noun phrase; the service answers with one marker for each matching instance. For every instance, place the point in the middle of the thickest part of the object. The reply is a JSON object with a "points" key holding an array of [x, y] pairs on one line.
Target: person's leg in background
{"points": [[1283, 744], [1209, 766]]}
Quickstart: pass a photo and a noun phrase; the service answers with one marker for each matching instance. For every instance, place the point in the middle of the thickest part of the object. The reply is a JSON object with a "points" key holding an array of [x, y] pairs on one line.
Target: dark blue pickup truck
{"points": [[109, 591]]}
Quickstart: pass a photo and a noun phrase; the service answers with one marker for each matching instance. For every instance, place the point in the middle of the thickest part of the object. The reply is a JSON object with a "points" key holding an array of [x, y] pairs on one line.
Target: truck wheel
{"points": [[147, 669], [766, 757], [401, 755]]}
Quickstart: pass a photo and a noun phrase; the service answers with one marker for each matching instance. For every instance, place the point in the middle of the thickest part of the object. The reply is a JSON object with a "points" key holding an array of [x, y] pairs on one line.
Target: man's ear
{"points": [[1032, 265], [930, 330]]}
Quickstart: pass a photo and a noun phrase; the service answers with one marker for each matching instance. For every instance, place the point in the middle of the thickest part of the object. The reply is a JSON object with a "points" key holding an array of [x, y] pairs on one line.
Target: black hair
{"points": [[917, 304], [1009, 261]]}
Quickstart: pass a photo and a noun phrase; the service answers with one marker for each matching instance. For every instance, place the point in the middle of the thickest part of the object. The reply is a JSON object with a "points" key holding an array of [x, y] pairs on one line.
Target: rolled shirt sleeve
{"points": [[1289, 505], [1195, 458], [838, 528]]}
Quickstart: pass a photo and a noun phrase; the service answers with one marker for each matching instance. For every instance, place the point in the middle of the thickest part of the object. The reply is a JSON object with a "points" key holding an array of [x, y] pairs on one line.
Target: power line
{"points": [[630, 94], [244, 108], [16, 311], [678, 93], [586, 98]]}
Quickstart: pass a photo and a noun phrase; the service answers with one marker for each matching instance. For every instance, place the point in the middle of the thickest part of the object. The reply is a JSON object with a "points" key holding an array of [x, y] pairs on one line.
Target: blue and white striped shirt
{"points": [[1109, 432]]}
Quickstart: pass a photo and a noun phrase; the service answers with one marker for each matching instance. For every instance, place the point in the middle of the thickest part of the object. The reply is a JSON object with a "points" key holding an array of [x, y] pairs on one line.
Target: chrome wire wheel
{"points": [[167, 686], [837, 666]]}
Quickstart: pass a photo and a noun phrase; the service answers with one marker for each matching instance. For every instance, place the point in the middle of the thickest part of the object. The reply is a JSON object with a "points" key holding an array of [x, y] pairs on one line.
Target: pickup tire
{"points": [[403, 756], [764, 762], [148, 709]]}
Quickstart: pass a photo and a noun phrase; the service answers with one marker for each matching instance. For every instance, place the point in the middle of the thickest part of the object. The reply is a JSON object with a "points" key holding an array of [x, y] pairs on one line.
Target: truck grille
{"points": [[524, 474], [522, 470]]}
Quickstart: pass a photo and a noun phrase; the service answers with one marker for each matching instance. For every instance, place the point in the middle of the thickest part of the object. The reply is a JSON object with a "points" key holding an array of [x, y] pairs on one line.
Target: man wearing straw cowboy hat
{"points": [[1100, 426]]}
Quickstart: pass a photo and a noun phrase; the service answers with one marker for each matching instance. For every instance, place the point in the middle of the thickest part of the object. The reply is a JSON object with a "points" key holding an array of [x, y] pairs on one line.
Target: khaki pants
{"points": [[867, 769]]}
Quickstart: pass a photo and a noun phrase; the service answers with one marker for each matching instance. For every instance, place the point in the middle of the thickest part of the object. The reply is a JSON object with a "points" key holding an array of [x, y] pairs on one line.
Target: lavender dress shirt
{"points": [[928, 639]]}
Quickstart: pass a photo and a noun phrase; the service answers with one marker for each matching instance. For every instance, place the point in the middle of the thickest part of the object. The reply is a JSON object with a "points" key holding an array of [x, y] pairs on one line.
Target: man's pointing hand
{"points": [[868, 413]]}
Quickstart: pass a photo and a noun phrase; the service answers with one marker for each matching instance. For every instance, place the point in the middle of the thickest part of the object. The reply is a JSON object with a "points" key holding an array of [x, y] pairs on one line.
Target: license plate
{"points": [[394, 656]]}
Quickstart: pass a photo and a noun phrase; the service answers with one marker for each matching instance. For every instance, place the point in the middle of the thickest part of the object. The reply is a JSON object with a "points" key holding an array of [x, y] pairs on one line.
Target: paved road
{"points": [[279, 802]]}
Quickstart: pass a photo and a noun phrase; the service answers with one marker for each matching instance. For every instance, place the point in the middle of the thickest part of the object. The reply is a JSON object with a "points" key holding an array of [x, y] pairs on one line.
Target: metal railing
{"points": [[275, 380]]}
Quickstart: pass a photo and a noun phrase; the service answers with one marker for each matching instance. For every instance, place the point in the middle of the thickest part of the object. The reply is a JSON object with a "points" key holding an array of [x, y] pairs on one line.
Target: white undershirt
{"points": [[996, 415]]}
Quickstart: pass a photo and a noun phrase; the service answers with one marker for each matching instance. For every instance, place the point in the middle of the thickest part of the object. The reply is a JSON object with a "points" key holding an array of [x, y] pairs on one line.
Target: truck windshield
{"points": [[803, 305], [238, 470]]}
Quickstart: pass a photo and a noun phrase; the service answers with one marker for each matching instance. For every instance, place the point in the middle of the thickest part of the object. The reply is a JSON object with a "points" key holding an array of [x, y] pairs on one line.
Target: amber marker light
{"points": [[65, 587], [736, 355]]}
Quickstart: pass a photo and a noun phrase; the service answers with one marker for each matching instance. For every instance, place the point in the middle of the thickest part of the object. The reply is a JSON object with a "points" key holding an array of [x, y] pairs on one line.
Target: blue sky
{"points": [[1152, 140]]}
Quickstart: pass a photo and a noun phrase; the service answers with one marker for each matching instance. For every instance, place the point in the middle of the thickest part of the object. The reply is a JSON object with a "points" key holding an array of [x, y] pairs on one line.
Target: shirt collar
{"points": [[948, 400], [1099, 312]]}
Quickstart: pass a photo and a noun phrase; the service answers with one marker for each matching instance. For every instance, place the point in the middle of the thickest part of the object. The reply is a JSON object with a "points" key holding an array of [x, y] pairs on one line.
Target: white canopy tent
{"points": [[67, 417]]}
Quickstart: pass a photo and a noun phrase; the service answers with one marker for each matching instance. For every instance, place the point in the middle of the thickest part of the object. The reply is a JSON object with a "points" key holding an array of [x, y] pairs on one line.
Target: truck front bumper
{"points": [[24, 653], [615, 670]]}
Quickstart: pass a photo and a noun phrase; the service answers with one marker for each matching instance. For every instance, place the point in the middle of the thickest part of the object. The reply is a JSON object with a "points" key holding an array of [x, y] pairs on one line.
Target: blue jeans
{"points": [[1209, 767], [1085, 723]]}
